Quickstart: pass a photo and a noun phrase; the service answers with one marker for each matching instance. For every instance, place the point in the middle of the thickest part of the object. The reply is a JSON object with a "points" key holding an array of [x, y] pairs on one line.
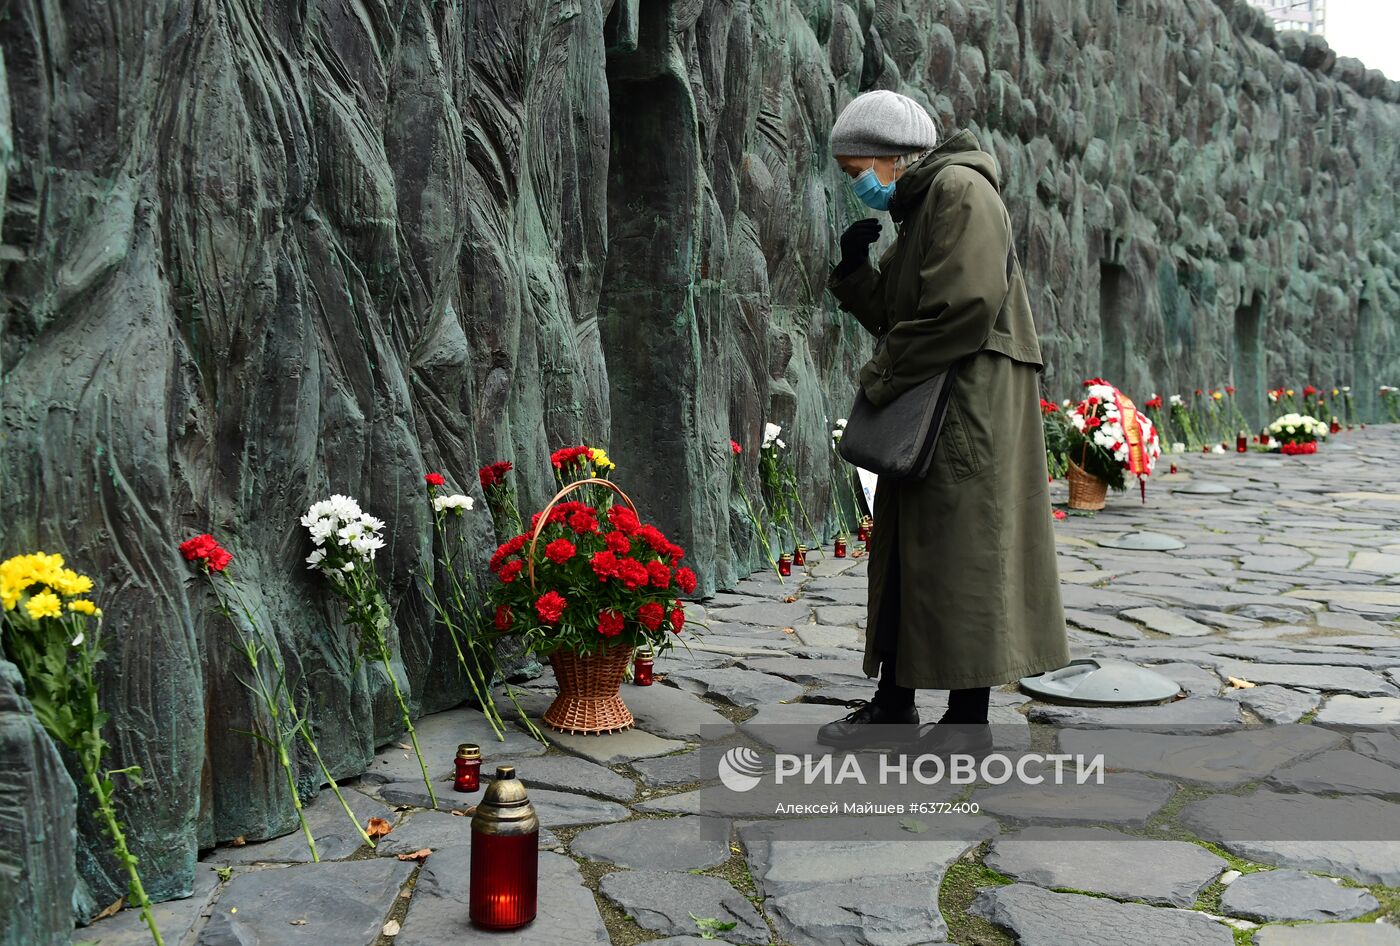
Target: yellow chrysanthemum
{"points": [[45, 604], [600, 459], [84, 606], [70, 584]]}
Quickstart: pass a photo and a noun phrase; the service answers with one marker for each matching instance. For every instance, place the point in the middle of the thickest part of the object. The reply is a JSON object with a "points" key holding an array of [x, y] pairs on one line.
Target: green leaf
{"points": [[709, 926], [224, 873]]}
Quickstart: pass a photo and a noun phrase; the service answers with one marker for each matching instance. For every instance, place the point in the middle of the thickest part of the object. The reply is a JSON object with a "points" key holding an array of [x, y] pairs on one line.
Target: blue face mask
{"points": [[871, 192]]}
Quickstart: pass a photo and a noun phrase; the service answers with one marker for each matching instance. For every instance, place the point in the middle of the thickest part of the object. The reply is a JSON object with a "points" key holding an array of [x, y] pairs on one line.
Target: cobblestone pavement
{"points": [[1259, 813]]}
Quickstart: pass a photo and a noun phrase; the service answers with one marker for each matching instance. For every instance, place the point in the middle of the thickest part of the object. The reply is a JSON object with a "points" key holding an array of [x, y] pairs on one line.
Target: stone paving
{"points": [[1263, 813]]}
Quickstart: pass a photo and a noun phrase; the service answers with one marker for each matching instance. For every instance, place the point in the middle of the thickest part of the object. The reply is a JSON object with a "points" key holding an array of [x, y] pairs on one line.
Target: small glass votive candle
{"points": [[644, 668], [468, 768]]}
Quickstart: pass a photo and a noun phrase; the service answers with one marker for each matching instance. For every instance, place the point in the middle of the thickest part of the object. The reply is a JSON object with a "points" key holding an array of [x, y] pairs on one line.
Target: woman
{"points": [[964, 593]]}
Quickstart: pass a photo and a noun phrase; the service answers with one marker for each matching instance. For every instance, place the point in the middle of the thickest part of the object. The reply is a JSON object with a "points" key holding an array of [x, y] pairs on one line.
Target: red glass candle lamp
{"points": [[1205, 448], [799, 556], [1242, 443], [468, 763], [644, 668], [1173, 469], [840, 546], [863, 533], [785, 564], [1336, 426], [505, 855]]}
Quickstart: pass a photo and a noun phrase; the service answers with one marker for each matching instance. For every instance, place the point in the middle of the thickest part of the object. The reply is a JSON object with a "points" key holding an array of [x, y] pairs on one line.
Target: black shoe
{"points": [[949, 739], [870, 724]]}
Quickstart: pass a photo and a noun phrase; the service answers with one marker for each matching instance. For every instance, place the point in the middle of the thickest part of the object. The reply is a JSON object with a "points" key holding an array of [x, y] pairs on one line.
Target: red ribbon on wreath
{"points": [[1137, 464]]}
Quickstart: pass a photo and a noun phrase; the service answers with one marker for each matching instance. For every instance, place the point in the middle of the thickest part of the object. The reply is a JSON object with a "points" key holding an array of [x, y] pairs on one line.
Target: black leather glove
{"points": [[855, 245]]}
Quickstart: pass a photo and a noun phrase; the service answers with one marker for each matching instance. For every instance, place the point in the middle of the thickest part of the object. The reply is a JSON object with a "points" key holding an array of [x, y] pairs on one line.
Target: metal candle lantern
{"points": [[505, 855], [785, 564], [799, 557], [840, 547], [468, 768], [644, 668]]}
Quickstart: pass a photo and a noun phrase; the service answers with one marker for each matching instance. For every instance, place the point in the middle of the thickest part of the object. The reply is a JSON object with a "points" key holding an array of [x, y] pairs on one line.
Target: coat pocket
{"points": [[963, 458]]}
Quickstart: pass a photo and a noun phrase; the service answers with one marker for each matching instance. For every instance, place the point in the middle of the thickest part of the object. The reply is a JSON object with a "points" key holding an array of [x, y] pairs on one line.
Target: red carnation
{"points": [[674, 553], [660, 574], [550, 606], [1229, 390], [677, 620], [505, 550], [735, 448], [617, 543], [1060, 514], [1092, 422], [685, 580], [1198, 392], [624, 520], [583, 522], [633, 573], [559, 551], [434, 479], [604, 565], [504, 618], [610, 623], [569, 456], [1309, 391], [653, 537], [651, 615], [206, 550], [510, 569]]}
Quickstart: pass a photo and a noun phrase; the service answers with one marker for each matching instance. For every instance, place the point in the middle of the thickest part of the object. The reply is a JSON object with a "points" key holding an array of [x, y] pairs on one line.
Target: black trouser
{"points": [[964, 706]]}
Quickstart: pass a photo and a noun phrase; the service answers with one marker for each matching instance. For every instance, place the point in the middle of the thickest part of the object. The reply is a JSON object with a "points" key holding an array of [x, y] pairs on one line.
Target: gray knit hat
{"points": [[882, 123]]}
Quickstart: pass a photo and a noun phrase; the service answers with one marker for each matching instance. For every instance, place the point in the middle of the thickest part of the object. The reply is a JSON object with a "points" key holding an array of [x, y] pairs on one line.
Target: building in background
{"points": [[1309, 16]]}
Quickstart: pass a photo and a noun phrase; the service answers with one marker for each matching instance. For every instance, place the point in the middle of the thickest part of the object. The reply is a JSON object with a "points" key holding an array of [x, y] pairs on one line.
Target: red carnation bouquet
{"points": [[602, 579]]}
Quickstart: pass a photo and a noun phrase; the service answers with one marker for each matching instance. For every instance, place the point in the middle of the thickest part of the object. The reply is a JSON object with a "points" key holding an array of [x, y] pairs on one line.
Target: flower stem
{"points": [[407, 719], [136, 890], [286, 763]]}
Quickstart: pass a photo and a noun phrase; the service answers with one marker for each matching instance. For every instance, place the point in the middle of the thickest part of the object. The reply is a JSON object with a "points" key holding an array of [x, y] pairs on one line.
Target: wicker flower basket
{"points": [[589, 702], [1086, 491]]}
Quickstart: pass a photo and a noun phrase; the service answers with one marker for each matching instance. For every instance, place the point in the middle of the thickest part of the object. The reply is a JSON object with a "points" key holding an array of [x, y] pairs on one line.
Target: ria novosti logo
{"points": [[741, 769]]}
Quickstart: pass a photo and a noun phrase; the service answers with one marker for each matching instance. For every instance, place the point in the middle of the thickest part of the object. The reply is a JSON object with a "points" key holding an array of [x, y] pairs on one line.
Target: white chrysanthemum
{"points": [[370, 523], [837, 434], [348, 566], [770, 433], [367, 545], [1175, 400], [344, 507], [77, 640], [314, 559], [321, 530], [841, 422]]}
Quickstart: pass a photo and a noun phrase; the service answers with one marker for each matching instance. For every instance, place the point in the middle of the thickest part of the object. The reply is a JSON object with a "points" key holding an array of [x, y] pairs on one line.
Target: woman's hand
{"points": [[855, 245]]}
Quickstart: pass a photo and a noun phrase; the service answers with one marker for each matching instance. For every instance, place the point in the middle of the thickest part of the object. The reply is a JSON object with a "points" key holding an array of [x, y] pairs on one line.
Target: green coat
{"points": [[969, 550]]}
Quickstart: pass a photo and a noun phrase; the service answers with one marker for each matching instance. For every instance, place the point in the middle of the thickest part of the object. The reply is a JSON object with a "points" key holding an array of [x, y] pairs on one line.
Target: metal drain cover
{"points": [[1143, 542], [1094, 681]]}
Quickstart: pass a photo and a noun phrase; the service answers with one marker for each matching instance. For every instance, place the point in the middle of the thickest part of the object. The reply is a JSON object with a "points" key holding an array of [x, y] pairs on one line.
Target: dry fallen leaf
{"points": [[239, 841], [464, 812], [419, 855], [403, 747], [112, 909], [1239, 684], [790, 599], [789, 630], [391, 928], [377, 828]]}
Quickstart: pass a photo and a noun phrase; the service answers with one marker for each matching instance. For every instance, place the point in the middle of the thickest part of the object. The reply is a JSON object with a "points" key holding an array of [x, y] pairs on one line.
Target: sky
{"points": [[1369, 30]]}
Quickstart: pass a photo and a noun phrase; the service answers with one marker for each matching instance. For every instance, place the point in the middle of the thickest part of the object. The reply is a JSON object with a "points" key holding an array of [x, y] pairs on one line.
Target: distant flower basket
{"points": [[1298, 434]]}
